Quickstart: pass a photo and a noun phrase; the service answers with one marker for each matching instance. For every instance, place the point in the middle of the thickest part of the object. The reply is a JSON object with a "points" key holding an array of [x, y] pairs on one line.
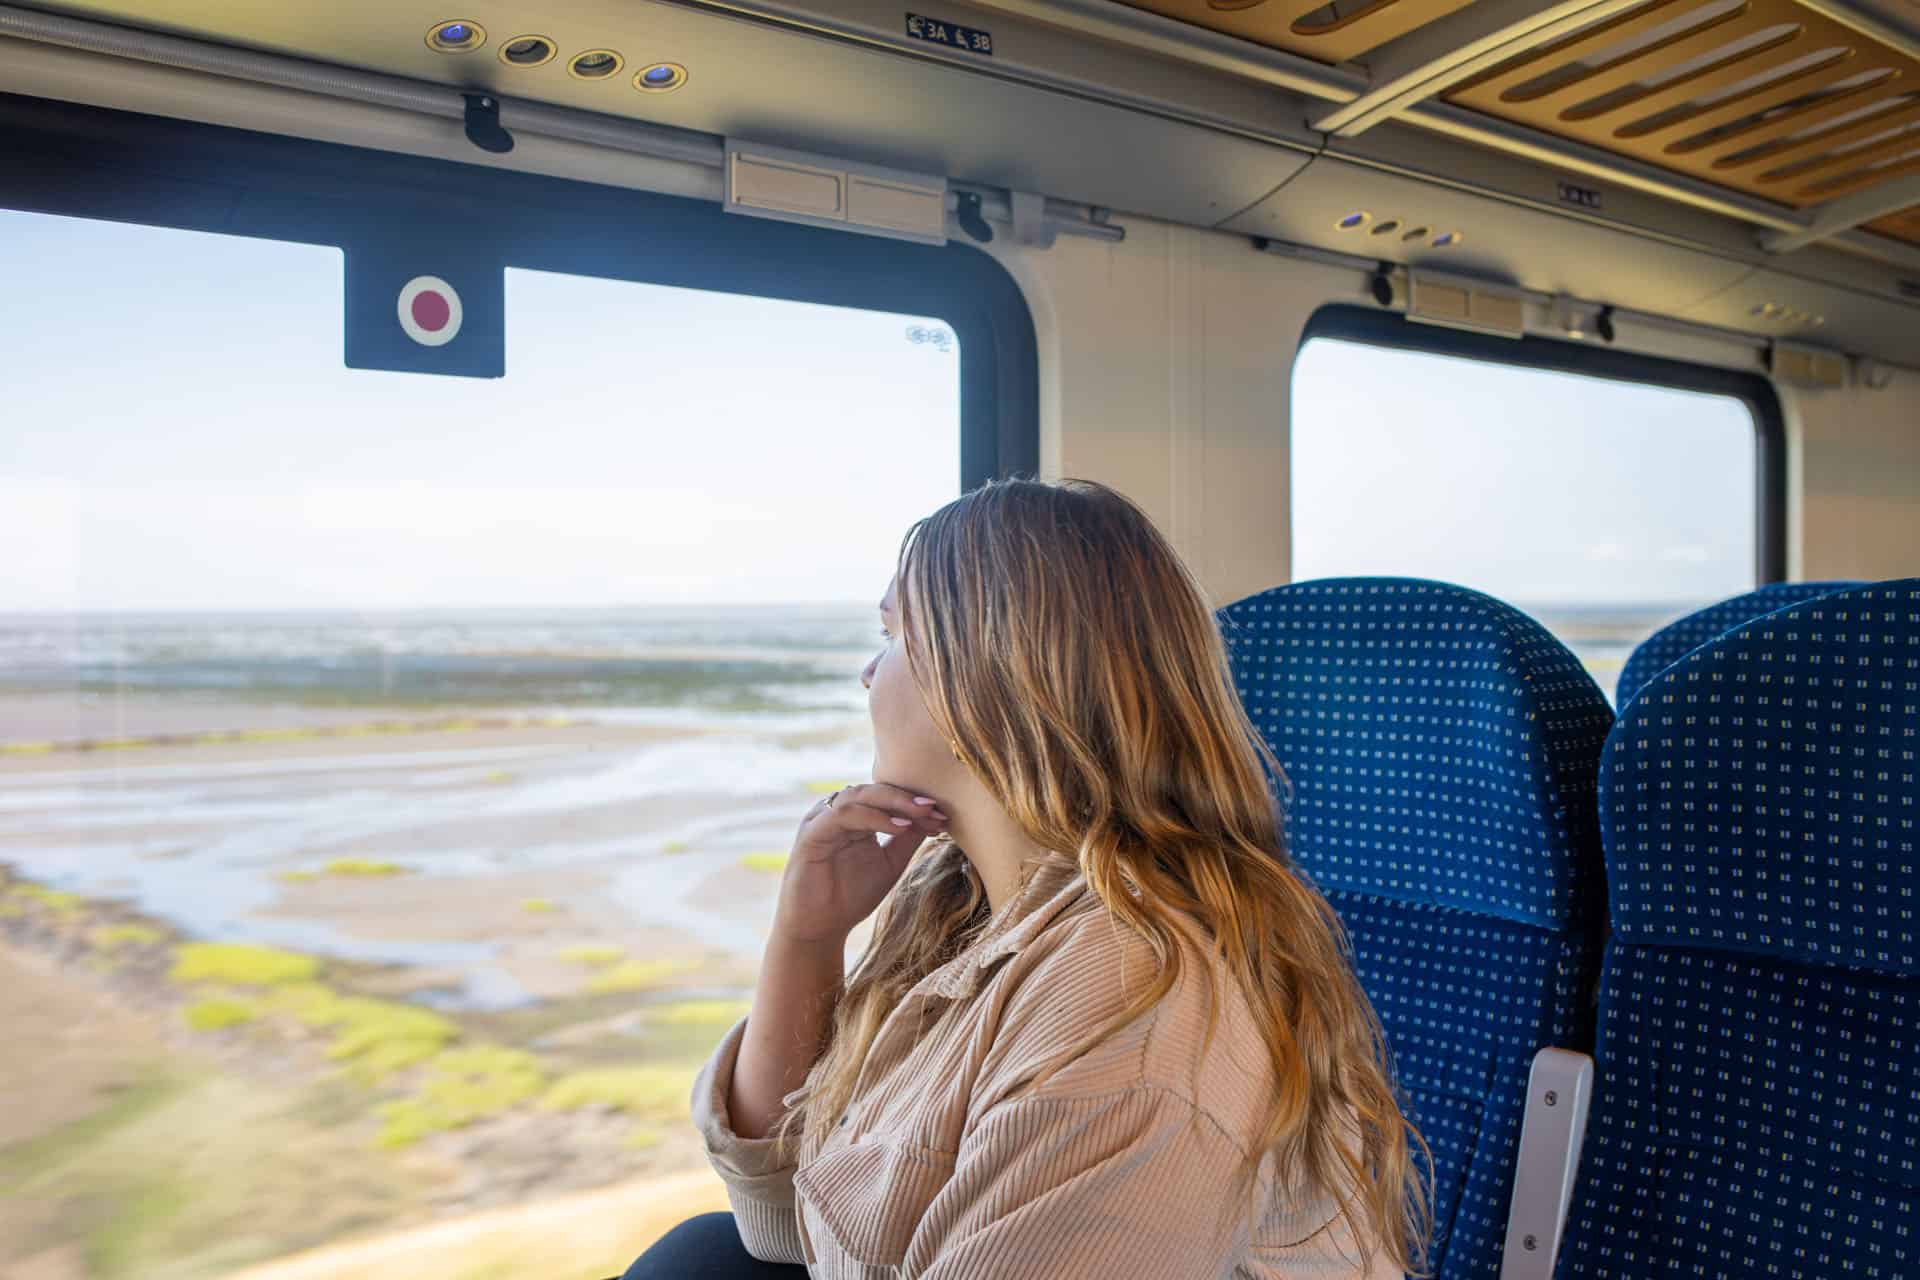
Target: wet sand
{"points": [[504, 841], [575, 892]]}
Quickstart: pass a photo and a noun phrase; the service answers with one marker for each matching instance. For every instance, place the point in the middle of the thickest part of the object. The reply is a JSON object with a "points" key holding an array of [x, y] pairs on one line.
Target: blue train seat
{"points": [[1441, 752], [1757, 1106], [1682, 636]]}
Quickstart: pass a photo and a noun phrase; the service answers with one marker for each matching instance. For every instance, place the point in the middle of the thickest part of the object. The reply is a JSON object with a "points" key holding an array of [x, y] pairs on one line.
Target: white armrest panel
{"points": [[1558, 1091]]}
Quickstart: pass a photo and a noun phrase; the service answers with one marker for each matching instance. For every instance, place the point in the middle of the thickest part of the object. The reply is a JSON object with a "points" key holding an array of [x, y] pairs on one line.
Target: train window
{"points": [[1601, 505], [397, 769]]}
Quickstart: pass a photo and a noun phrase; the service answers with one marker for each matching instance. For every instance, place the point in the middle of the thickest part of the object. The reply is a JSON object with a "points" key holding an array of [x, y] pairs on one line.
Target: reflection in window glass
{"points": [[1604, 509], [397, 770]]}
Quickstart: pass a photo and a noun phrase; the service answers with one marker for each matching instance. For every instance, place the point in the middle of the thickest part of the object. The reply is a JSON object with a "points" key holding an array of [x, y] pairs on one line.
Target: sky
{"points": [[181, 434], [1531, 485]]}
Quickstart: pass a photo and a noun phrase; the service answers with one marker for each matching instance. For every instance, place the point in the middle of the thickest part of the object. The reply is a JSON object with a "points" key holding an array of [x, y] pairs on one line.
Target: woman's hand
{"points": [[839, 871]]}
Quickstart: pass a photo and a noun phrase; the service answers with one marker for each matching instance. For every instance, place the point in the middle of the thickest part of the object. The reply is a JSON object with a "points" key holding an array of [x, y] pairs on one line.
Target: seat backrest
{"points": [[1441, 751], [1683, 635], [1757, 1101]]}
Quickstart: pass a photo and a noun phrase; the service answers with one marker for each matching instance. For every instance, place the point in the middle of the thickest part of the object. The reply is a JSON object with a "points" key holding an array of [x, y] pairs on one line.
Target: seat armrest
{"points": [[1559, 1089]]}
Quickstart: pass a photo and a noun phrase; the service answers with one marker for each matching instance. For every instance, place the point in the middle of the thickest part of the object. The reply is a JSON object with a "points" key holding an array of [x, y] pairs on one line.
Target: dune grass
{"points": [[462, 1086], [58, 901], [718, 1014], [113, 936], [374, 1038], [348, 868], [218, 1013], [649, 1091], [188, 1176], [364, 867], [241, 964], [635, 975]]}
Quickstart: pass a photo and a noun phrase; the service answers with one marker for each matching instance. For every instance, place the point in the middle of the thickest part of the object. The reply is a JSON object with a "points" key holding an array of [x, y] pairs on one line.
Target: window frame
{"points": [[94, 162], [1392, 329]]}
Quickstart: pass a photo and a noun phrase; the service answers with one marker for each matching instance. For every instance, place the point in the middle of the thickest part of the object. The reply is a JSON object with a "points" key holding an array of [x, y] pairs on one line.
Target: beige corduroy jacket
{"points": [[951, 1164]]}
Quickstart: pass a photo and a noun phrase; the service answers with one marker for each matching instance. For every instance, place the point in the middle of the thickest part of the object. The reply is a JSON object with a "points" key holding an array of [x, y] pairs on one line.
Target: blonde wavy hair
{"points": [[1065, 650]]}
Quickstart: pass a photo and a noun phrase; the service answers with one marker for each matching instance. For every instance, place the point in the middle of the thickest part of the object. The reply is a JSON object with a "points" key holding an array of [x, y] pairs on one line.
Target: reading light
{"points": [[456, 35], [661, 77], [527, 51], [595, 64]]}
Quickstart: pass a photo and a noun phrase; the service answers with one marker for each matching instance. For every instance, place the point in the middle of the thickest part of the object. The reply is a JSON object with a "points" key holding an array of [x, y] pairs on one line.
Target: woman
{"points": [[1103, 1027]]}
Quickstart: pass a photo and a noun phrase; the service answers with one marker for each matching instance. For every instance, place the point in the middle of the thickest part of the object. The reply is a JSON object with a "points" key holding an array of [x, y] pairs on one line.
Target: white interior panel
{"points": [[1167, 370], [68, 75], [1855, 483], [781, 88], [1166, 361], [1500, 240], [1851, 320]]}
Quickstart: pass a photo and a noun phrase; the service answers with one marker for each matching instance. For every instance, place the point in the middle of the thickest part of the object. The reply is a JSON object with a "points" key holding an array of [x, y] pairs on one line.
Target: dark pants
{"points": [[707, 1248]]}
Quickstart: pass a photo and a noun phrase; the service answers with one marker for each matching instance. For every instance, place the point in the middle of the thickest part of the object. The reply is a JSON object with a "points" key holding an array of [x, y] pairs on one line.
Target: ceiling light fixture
{"points": [[456, 35], [528, 51], [661, 77], [595, 64]]}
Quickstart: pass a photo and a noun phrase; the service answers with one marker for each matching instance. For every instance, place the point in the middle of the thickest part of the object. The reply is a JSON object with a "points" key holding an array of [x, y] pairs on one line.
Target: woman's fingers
{"points": [[895, 800], [866, 817]]}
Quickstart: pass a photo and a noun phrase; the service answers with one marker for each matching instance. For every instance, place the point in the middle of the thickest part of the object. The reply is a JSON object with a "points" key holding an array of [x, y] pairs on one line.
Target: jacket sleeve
{"points": [[759, 1185], [1129, 1185]]}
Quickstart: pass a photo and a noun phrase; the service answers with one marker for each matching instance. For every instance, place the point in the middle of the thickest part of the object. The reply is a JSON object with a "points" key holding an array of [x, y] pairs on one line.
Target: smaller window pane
{"points": [[1604, 509]]}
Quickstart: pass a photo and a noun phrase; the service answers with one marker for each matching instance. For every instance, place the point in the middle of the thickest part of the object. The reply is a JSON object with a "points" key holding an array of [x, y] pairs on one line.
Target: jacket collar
{"points": [[1050, 888]]}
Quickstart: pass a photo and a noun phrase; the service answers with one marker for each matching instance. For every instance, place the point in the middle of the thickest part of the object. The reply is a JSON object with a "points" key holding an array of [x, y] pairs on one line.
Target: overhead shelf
{"points": [[1331, 33], [1800, 103], [1901, 226], [1764, 96]]}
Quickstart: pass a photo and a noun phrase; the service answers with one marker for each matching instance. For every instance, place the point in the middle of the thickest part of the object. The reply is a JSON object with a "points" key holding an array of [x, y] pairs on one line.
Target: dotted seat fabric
{"points": [[1683, 635], [1440, 751], [1757, 1100]]}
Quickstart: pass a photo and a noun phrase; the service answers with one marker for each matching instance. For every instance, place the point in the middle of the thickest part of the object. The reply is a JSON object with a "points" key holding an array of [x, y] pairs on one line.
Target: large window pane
{"points": [[1603, 508], [396, 770]]}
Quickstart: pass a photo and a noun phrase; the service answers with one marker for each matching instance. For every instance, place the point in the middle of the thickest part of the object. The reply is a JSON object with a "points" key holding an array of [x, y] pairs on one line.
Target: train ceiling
{"points": [[1801, 117], [1808, 105]]}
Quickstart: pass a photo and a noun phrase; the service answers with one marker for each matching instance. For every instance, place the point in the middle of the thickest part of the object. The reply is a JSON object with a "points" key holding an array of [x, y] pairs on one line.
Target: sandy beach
{"points": [[464, 963]]}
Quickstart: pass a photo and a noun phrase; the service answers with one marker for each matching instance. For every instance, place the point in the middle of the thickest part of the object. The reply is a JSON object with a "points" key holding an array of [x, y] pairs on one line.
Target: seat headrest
{"points": [[1441, 747], [1683, 635], [1762, 795]]}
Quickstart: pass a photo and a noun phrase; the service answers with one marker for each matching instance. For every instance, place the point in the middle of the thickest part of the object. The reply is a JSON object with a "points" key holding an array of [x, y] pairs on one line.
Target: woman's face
{"points": [[908, 749]]}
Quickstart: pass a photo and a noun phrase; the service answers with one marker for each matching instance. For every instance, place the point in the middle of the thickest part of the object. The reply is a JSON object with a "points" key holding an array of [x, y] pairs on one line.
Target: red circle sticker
{"points": [[429, 310]]}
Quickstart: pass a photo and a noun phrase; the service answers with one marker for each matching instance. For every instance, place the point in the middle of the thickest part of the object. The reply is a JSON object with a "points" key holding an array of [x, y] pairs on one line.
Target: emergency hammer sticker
{"points": [[426, 307], [429, 310]]}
